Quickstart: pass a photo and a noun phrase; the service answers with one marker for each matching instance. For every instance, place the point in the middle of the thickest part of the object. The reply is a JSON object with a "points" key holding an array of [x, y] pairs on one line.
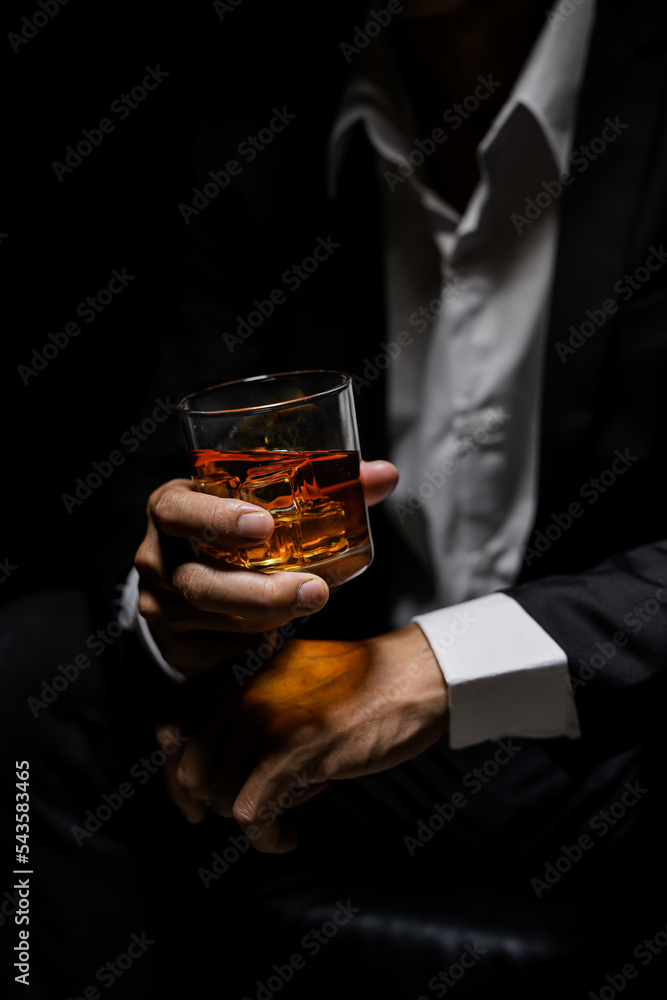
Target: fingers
{"points": [[266, 599], [191, 781], [236, 599], [190, 772], [196, 770], [235, 761], [201, 775], [194, 639], [195, 653], [162, 608], [183, 596], [181, 511], [192, 808], [379, 479], [249, 594], [267, 794]]}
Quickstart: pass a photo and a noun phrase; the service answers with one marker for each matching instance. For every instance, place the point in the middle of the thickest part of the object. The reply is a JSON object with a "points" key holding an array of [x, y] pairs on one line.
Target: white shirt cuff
{"points": [[506, 675], [132, 621]]}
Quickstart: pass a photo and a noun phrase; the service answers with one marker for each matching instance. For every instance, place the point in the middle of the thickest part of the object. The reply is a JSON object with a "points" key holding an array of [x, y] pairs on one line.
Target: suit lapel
{"points": [[623, 84]]}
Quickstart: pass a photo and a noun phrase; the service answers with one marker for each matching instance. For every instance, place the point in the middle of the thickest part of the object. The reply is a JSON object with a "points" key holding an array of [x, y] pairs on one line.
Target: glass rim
{"points": [[345, 382]]}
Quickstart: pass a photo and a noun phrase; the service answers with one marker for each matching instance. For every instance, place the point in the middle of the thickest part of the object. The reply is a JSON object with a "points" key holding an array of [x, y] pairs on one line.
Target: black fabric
{"points": [[391, 913], [472, 880], [601, 404], [90, 890]]}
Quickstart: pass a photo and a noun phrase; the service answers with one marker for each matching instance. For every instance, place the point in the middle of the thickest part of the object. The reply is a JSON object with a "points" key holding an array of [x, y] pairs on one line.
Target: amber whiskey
{"points": [[315, 498]]}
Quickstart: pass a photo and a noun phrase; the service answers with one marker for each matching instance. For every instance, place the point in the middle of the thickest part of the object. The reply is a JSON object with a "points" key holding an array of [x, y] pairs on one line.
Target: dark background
{"points": [[117, 209]]}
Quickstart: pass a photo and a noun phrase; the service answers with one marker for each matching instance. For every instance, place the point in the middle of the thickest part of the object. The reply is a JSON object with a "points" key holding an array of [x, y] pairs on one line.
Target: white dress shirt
{"points": [[464, 397]]}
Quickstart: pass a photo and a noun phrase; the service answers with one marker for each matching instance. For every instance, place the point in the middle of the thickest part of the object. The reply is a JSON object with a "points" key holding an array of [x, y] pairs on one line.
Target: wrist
{"points": [[415, 673]]}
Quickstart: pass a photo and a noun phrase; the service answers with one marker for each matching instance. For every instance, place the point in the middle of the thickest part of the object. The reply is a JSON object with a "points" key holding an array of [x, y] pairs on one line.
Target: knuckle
{"points": [[223, 518], [159, 492], [165, 505], [193, 581], [190, 780], [264, 591], [327, 768]]}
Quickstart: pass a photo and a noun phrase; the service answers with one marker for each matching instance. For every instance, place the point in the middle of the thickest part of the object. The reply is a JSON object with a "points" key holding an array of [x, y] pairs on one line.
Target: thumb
{"points": [[379, 479]]}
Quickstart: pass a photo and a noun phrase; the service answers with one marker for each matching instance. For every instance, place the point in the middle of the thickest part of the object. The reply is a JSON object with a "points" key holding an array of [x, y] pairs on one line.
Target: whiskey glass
{"points": [[288, 443]]}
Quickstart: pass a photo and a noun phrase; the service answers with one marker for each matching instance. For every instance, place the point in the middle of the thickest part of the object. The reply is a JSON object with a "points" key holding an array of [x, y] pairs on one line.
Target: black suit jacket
{"points": [[596, 585]]}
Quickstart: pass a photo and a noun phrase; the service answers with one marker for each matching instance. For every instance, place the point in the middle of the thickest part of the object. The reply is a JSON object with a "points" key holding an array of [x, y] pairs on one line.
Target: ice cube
{"points": [[273, 490], [322, 528], [220, 486]]}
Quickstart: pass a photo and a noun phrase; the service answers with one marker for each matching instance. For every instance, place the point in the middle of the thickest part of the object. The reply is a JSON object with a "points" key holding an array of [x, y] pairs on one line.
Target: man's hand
{"points": [[197, 608], [318, 712]]}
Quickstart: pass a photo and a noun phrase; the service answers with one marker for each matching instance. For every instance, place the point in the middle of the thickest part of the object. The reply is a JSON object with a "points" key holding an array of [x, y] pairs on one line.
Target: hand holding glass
{"points": [[287, 443]]}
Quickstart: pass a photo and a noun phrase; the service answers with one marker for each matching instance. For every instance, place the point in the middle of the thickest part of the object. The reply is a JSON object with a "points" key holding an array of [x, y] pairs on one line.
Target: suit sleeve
{"points": [[612, 624]]}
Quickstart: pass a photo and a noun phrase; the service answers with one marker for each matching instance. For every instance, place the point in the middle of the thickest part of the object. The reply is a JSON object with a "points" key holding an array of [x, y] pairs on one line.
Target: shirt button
{"points": [[483, 425]]}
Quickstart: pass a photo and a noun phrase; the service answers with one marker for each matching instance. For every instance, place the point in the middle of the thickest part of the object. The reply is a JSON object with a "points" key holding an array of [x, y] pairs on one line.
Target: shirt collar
{"points": [[548, 87], [549, 83]]}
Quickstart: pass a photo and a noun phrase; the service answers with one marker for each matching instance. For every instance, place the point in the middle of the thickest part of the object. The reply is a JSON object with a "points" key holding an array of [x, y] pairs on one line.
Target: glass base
{"points": [[337, 569], [342, 567]]}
